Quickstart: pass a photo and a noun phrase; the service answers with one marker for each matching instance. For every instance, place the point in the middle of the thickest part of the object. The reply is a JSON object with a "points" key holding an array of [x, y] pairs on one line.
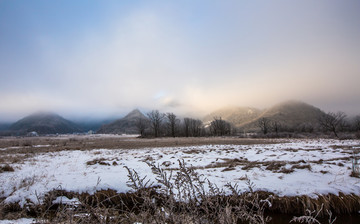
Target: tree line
{"points": [[159, 124], [331, 122]]}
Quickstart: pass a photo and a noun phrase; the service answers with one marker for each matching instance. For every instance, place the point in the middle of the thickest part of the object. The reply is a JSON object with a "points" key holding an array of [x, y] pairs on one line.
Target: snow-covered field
{"points": [[300, 167]]}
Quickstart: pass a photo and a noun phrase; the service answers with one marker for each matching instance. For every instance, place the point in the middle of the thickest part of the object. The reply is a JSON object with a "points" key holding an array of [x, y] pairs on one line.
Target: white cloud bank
{"points": [[167, 57]]}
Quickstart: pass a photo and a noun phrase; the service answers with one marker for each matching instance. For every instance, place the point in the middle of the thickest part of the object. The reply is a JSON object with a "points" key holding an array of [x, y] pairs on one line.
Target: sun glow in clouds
{"points": [[177, 56]]}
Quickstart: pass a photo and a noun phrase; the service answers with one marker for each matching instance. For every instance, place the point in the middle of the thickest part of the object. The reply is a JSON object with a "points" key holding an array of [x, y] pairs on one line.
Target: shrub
{"points": [[311, 217], [355, 168], [6, 168], [187, 194], [357, 135]]}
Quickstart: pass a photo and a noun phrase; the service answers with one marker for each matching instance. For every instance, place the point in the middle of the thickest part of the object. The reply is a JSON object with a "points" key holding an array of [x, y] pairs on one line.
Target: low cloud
{"points": [[255, 58]]}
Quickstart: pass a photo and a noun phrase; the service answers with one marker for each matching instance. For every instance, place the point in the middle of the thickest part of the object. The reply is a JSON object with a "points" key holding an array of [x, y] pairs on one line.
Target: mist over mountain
{"points": [[288, 114], [237, 116], [293, 112], [4, 126], [92, 124], [124, 125], [43, 123]]}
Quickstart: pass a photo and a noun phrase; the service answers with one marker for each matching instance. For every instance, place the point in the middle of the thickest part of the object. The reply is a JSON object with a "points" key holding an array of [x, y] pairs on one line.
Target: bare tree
{"points": [[356, 123], [141, 125], [332, 122], [306, 127], [264, 124], [172, 123], [220, 127], [192, 127], [187, 126], [195, 127], [155, 118], [275, 126]]}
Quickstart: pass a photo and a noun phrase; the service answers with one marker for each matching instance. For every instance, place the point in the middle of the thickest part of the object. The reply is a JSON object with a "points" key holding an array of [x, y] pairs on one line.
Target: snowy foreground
{"points": [[317, 167]]}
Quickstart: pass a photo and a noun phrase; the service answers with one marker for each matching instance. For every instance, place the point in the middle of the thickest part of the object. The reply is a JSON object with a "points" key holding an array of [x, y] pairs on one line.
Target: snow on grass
{"points": [[314, 167], [38, 146], [18, 221], [13, 147], [66, 201]]}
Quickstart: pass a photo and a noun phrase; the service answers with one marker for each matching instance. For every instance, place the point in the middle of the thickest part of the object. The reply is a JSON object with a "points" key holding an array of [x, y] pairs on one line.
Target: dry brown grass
{"points": [[14, 158], [298, 166], [338, 204], [100, 161], [49, 144], [274, 166], [6, 168], [230, 163]]}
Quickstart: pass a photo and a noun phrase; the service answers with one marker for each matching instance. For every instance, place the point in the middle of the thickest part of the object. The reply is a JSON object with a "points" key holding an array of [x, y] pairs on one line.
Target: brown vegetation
{"points": [[6, 168], [179, 198], [51, 144], [100, 161]]}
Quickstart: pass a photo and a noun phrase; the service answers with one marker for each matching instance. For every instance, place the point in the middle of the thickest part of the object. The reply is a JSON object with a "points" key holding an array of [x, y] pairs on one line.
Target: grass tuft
{"points": [[6, 168]]}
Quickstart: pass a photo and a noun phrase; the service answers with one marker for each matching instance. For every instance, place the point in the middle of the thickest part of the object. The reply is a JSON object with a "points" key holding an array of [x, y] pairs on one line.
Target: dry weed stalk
{"points": [[355, 165], [311, 217], [190, 196]]}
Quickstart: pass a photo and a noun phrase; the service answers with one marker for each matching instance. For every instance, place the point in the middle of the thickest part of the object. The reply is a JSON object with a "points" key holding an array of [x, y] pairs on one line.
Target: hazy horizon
{"points": [[99, 59]]}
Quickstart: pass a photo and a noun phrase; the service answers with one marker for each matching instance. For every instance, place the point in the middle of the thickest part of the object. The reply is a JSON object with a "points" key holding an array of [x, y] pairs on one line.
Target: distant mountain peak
{"points": [[44, 123], [134, 113], [291, 113], [292, 103], [125, 125], [43, 114], [235, 115]]}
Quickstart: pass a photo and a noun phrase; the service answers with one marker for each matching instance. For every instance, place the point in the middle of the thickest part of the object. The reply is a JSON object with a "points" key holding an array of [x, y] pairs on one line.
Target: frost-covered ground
{"points": [[301, 167], [18, 221]]}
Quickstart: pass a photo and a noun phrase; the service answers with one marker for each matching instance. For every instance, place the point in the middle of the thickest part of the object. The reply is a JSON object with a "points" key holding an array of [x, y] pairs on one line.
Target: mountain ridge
{"points": [[43, 123], [125, 125], [290, 113]]}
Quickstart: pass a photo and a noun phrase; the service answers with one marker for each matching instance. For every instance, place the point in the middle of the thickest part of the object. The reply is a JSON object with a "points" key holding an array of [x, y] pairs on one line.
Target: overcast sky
{"points": [[102, 58]]}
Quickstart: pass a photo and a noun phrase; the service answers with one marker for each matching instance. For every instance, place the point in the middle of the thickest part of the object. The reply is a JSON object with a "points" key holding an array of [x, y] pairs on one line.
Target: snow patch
{"points": [[18, 221], [68, 170], [66, 201]]}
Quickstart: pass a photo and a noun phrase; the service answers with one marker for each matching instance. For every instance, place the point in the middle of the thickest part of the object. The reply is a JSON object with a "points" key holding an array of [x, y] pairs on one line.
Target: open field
{"points": [[86, 142], [302, 169]]}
